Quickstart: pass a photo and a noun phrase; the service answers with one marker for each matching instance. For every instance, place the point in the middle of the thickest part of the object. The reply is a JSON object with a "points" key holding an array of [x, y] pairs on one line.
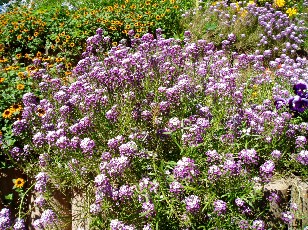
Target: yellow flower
{"points": [[72, 44], [20, 74], [114, 44], [291, 11], [280, 3], [7, 113], [251, 3], [16, 107], [2, 79], [36, 34], [19, 183], [20, 86], [19, 36], [18, 56]]}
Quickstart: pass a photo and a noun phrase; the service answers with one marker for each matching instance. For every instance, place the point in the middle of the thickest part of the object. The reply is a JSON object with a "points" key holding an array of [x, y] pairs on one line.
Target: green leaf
{"points": [[9, 197]]}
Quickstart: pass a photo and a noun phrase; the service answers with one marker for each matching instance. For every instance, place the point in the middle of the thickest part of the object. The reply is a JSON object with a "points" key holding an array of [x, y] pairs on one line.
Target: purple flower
{"points": [[40, 201], [19, 126], [192, 203], [95, 208], [115, 142], [112, 114], [276, 154], [213, 156], [128, 149], [302, 157], [29, 99], [5, 221], [63, 142], [267, 170], [248, 156], [19, 224], [239, 202], [243, 224], [220, 207], [176, 187], [258, 225], [298, 104], [87, 145], [287, 217], [148, 209], [48, 218], [300, 141], [119, 225], [38, 139], [126, 191], [300, 89], [185, 169], [232, 167], [147, 227], [116, 165], [214, 172]]}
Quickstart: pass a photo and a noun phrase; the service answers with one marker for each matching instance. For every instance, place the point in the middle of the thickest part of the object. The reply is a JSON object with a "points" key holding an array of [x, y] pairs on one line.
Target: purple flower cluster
{"points": [[258, 225], [220, 207], [267, 170], [287, 217], [119, 225], [248, 156], [243, 207], [41, 182], [48, 219], [192, 203], [148, 208], [185, 169], [5, 220], [176, 187], [19, 224], [302, 157]]}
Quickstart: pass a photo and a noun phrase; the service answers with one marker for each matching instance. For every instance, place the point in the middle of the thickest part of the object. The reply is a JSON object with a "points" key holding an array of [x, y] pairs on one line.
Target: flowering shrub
{"points": [[165, 133]]}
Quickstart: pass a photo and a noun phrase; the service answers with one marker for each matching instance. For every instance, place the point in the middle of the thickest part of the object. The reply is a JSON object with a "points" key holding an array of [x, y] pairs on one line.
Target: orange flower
{"points": [[2, 79], [36, 34]]}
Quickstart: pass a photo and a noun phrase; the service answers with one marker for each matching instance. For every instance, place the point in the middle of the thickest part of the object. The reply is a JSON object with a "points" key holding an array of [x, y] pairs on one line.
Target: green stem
{"points": [[22, 199]]}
